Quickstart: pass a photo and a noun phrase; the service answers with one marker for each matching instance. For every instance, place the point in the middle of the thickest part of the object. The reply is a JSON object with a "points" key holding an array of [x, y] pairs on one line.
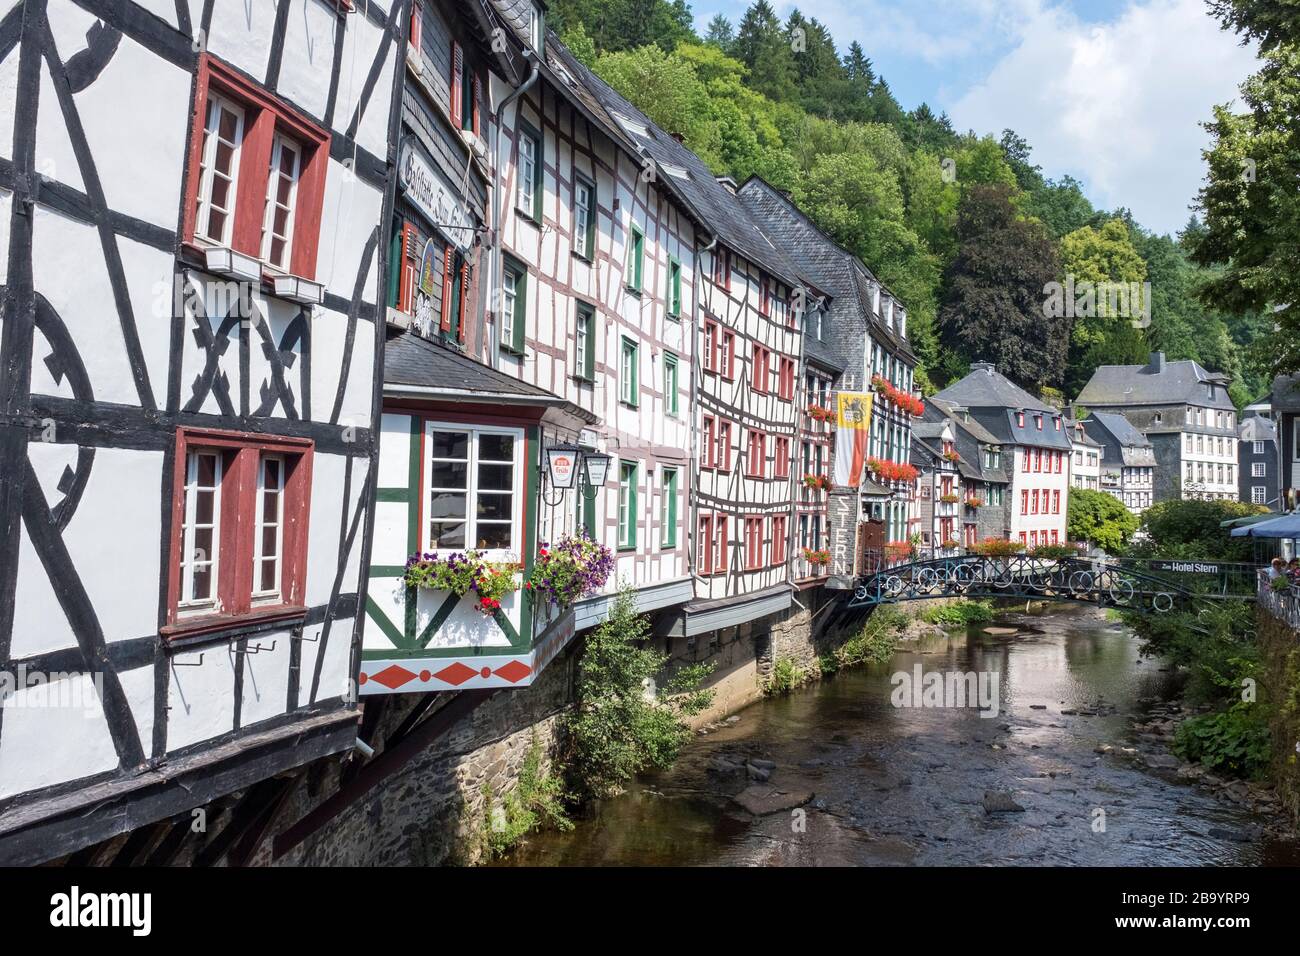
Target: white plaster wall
{"points": [[336, 670], [200, 695], [241, 33], [308, 55], [44, 745], [266, 677]]}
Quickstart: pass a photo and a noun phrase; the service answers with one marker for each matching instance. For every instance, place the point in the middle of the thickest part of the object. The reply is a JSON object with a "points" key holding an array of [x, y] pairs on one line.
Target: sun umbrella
{"points": [[1248, 520], [1287, 526]]}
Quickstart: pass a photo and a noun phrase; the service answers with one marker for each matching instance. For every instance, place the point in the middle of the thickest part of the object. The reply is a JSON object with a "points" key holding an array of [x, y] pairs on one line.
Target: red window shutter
{"points": [[464, 297], [457, 92], [478, 98], [405, 296], [446, 288]]}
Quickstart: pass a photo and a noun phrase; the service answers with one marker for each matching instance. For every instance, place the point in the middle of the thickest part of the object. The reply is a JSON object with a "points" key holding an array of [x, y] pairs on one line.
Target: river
{"points": [[907, 785]]}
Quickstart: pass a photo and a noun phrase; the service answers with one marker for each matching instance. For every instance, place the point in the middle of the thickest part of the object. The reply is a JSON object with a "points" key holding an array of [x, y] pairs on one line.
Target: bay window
{"points": [[473, 489]]}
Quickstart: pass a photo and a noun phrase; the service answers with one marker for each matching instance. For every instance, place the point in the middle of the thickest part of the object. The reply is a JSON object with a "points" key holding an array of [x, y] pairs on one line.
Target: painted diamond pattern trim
{"points": [[393, 676]]}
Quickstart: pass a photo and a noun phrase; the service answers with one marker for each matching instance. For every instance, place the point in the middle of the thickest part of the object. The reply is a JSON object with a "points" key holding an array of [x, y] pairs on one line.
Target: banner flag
{"points": [[852, 428]]}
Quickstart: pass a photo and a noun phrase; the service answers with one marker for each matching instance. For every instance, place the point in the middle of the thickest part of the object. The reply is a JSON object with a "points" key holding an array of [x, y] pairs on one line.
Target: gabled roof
{"points": [[1286, 393], [832, 269], [1157, 383], [720, 210], [1119, 427], [985, 387], [1257, 428]]}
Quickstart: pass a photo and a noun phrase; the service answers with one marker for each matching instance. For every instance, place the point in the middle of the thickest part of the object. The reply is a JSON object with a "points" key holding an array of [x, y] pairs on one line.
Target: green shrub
{"points": [[617, 728], [1234, 741], [876, 641], [786, 676], [537, 801], [960, 614]]}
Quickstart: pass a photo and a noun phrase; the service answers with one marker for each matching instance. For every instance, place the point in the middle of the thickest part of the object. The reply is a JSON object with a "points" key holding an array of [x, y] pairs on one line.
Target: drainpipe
{"points": [[697, 375], [497, 212]]}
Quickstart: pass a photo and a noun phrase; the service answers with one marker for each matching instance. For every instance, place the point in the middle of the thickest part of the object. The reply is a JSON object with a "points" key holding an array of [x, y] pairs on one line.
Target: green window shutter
{"points": [[538, 169], [395, 267], [635, 258], [669, 520], [670, 383], [674, 287], [521, 309], [590, 370]]}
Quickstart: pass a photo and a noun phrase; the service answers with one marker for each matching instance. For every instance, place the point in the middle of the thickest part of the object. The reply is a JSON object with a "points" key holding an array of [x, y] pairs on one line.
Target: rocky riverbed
{"points": [[1067, 763]]}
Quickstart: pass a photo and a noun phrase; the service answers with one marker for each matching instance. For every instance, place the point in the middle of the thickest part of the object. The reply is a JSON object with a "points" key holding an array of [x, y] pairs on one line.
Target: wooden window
{"points": [[584, 336], [780, 457], [1056, 502], [755, 458], [464, 89], [668, 509], [240, 507], [704, 546], [709, 451], [635, 258], [417, 26], [711, 345], [671, 389], [629, 389], [473, 477], [753, 543], [728, 355], [584, 217], [765, 293], [778, 539], [1024, 502], [761, 366], [257, 168], [528, 173], [722, 268], [786, 382], [722, 554], [627, 507], [514, 305], [723, 460], [674, 287]]}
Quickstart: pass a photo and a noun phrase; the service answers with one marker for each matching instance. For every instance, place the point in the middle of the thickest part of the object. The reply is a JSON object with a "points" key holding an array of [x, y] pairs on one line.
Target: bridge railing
{"points": [[1221, 578], [1283, 605]]}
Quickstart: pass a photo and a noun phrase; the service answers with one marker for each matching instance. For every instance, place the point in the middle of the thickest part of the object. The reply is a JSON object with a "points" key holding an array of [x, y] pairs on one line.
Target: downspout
{"points": [[697, 376], [498, 213], [799, 415]]}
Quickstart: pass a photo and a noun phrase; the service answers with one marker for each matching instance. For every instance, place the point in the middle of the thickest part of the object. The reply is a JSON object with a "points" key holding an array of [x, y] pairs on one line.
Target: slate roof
{"points": [[971, 437], [717, 208], [1117, 434], [1157, 383], [1119, 427], [832, 269], [985, 387], [1257, 428], [1286, 393], [1081, 435], [411, 359]]}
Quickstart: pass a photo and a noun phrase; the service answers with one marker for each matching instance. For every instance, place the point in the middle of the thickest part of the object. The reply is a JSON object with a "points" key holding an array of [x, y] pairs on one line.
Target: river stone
{"points": [[762, 799], [757, 773], [763, 764], [1001, 631], [1000, 801]]}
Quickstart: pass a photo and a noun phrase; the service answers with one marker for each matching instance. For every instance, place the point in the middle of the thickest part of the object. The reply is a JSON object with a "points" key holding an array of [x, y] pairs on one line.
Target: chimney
{"points": [[1157, 363], [983, 367], [728, 184]]}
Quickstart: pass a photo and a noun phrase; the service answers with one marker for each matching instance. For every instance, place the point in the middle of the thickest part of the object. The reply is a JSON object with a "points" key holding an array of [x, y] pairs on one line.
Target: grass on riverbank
{"points": [[960, 613]]}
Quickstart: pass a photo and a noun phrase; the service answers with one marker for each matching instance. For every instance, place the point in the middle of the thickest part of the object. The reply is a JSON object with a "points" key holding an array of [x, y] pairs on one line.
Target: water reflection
{"points": [[897, 786]]}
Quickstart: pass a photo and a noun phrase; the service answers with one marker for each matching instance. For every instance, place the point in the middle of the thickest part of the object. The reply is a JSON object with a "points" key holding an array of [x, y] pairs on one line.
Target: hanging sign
{"points": [[428, 274], [430, 192]]}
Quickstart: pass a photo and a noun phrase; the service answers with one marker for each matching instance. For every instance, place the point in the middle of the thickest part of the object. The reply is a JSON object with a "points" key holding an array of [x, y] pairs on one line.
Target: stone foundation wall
{"points": [[1279, 646]]}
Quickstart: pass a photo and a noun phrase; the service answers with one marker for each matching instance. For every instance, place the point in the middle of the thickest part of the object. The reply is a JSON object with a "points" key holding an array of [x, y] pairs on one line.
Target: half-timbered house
{"points": [[191, 197]]}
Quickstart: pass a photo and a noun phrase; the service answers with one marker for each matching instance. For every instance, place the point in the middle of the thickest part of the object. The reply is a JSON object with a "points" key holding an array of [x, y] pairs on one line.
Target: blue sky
{"points": [[1109, 91]]}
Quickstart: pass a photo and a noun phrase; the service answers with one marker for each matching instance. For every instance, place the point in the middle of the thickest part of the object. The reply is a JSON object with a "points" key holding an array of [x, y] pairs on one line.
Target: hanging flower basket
{"points": [[462, 574], [817, 482], [573, 568], [819, 414], [897, 397], [949, 499], [891, 470], [817, 558]]}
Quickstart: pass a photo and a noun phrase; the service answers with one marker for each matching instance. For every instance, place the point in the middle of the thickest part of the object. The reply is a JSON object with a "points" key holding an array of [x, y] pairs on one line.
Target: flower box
{"points": [[819, 414], [463, 573], [952, 544], [891, 470], [974, 502], [949, 499], [817, 482], [816, 558], [573, 568]]}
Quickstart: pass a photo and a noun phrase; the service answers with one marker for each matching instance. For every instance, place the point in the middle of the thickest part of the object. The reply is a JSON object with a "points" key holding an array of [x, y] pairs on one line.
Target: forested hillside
{"points": [[963, 227]]}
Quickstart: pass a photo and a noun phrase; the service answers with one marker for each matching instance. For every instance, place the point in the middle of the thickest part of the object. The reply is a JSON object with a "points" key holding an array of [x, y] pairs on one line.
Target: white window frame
{"points": [[212, 603], [1257, 469], [259, 557], [509, 298], [471, 491], [1258, 495], [268, 218], [211, 135], [526, 174], [581, 215]]}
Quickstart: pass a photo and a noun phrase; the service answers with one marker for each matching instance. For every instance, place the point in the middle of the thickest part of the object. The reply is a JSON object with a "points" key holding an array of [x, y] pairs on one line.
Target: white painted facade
{"points": [[133, 344]]}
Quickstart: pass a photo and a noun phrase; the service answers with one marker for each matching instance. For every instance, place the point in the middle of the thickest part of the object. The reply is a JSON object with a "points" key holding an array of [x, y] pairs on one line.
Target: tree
{"points": [[993, 308], [1099, 518], [667, 89], [720, 33], [1061, 205], [1192, 529], [1272, 22], [1252, 205], [761, 44], [616, 729], [1105, 330]]}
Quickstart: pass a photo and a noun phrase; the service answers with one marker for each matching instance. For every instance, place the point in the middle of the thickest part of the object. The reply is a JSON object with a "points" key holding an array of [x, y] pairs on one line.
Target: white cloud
{"points": [[1116, 104]]}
